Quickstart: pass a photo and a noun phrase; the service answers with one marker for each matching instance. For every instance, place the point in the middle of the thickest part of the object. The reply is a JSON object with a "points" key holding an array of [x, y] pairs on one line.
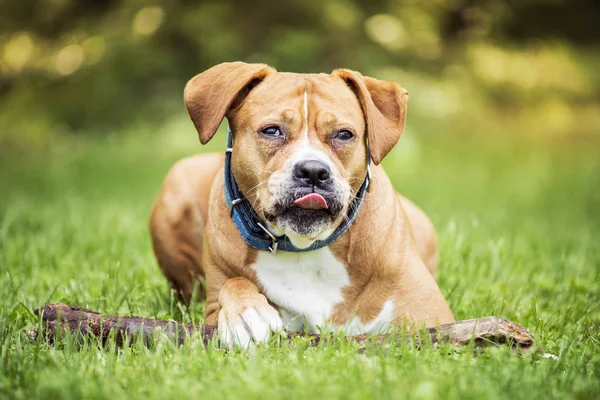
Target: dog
{"points": [[296, 226]]}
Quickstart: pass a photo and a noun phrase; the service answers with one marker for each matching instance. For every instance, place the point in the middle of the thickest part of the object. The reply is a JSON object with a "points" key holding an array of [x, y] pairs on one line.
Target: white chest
{"points": [[305, 286]]}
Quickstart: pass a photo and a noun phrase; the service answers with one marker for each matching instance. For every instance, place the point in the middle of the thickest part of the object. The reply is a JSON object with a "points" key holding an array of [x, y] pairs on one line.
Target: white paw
{"points": [[252, 325]]}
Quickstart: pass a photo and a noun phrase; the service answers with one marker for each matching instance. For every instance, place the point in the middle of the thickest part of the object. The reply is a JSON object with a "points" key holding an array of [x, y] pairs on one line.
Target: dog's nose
{"points": [[312, 172]]}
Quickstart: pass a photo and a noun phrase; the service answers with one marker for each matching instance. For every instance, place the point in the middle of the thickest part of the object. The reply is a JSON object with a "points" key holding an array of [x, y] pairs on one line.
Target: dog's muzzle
{"points": [[311, 199]]}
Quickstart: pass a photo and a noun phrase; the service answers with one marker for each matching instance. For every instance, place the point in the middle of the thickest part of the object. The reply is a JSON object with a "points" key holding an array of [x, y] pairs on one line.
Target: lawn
{"points": [[519, 232]]}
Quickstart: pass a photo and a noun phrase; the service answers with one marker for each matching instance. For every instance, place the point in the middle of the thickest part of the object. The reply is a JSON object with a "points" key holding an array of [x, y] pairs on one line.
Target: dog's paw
{"points": [[251, 322]]}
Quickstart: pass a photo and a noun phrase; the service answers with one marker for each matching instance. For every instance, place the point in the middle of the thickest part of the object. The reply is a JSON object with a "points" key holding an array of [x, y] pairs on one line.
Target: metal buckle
{"points": [[229, 150], [369, 177], [233, 204], [275, 243]]}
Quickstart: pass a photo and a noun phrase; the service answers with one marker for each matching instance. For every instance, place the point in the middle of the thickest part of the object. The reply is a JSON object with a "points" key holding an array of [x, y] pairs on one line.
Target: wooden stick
{"points": [[58, 318]]}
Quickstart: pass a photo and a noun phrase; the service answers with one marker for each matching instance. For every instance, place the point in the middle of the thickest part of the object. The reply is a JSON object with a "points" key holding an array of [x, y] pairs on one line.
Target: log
{"points": [[58, 318]]}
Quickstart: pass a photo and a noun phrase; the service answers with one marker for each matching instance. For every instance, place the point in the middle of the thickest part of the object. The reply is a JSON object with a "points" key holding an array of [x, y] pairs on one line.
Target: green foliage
{"points": [[485, 68]]}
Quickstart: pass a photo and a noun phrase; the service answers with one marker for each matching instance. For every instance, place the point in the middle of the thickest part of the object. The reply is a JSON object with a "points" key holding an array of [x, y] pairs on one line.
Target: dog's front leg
{"points": [[245, 315]]}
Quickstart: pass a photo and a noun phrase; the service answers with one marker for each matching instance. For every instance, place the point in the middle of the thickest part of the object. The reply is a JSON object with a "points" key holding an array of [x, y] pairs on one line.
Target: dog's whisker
{"points": [[257, 187]]}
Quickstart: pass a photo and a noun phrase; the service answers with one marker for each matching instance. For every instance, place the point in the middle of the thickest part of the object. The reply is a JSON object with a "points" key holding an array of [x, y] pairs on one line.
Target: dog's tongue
{"points": [[313, 201]]}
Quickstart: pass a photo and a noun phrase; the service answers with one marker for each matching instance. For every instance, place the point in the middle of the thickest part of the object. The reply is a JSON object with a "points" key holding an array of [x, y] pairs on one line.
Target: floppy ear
{"points": [[384, 107], [209, 95]]}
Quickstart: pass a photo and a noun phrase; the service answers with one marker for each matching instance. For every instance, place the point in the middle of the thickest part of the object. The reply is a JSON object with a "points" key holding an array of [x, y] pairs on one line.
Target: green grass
{"points": [[519, 230]]}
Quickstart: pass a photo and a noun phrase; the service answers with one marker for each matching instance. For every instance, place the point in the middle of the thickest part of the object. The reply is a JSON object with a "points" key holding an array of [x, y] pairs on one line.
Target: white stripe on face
{"points": [[305, 133], [304, 150]]}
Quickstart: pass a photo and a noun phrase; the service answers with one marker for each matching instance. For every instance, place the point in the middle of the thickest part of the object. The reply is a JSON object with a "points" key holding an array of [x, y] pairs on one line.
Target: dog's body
{"points": [[299, 158]]}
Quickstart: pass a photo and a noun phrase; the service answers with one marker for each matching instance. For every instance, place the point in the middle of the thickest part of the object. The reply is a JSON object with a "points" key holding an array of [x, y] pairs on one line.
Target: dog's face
{"points": [[300, 152]]}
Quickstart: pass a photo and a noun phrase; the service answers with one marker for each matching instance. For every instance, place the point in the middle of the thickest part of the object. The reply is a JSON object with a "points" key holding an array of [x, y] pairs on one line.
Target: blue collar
{"points": [[255, 232]]}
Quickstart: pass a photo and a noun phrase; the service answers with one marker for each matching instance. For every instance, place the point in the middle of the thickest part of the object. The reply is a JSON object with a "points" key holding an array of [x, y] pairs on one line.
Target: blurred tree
{"points": [[76, 66]]}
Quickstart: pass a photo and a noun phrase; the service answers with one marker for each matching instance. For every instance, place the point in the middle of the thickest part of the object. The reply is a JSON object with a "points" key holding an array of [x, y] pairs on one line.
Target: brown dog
{"points": [[300, 159]]}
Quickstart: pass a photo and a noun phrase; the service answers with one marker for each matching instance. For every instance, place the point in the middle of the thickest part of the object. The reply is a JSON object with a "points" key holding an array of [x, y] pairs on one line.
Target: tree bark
{"points": [[58, 318]]}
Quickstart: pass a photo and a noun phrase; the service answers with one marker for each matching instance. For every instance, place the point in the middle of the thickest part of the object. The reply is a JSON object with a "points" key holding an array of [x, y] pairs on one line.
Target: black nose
{"points": [[312, 172]]}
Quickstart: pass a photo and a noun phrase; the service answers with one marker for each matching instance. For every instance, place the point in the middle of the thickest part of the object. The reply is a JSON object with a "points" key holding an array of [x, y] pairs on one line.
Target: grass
{"points": [[519, 230]]}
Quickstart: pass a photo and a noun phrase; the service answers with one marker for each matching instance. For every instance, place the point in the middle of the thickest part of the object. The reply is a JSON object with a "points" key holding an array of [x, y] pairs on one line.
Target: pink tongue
{"points": [[311, 201]]}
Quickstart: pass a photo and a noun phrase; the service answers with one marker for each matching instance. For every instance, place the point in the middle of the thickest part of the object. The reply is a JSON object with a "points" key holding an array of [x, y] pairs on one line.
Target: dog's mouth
{"points": [[304, 208]]}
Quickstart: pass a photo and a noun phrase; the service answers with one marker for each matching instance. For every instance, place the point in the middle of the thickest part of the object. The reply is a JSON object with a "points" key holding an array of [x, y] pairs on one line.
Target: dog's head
{"points": [[300, 145]]}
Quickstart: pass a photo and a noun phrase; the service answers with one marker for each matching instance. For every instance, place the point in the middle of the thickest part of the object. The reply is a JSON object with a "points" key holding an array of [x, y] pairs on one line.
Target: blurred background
{"points": [[516, 70]]}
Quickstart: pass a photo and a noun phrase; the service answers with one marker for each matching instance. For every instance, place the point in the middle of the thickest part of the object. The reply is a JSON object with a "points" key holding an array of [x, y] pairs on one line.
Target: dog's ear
{"points": [[384, 106], [209, 95]]}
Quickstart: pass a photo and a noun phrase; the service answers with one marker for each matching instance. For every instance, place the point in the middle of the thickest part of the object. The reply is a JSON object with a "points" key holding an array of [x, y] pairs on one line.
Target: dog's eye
{"points": [[344, 136], [272, 131]]}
